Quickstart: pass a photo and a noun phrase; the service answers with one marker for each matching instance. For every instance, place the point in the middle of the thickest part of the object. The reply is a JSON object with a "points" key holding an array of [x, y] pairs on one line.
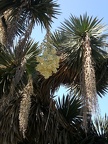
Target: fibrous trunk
{"points": [[88, 84], [3, 31], [7, 28], [25, 105]]}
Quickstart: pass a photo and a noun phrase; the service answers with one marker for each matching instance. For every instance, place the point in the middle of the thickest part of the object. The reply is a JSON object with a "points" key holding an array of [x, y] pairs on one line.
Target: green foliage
{"points": [[49, 121], [11, 61], [69, 42], [70, 108], [39, 11], [21, 16], [79, 26]]}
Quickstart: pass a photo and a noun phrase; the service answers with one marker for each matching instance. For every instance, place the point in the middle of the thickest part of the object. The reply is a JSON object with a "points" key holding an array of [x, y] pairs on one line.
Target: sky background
{"points": [[95, 8]]}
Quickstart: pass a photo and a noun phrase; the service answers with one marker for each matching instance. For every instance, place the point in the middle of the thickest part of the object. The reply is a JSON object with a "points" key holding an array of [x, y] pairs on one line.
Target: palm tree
{"points": [[20, 17], [81, 43], [17, 69]]}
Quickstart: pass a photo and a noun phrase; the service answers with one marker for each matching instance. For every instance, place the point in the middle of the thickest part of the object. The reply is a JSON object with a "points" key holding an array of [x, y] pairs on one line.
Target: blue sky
{"points": [[94, 8]]}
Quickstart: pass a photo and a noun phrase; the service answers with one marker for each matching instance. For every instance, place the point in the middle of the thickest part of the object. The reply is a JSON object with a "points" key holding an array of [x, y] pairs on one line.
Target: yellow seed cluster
{"points": [[48, 62]]}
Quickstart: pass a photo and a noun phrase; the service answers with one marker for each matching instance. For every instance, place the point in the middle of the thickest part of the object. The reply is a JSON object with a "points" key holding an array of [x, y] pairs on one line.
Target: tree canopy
{"points": [[31, 73]]}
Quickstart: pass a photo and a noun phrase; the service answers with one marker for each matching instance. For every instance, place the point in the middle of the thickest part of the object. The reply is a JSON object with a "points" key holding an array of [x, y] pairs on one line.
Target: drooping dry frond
{"points": [[25, 107]]}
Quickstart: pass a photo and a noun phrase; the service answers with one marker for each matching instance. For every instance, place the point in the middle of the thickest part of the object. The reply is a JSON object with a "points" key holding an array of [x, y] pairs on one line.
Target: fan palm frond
{"points": [[69, 107], [70, 117]]}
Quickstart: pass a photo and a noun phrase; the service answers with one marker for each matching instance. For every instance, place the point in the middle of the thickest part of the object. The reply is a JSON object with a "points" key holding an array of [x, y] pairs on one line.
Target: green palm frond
{"points": [[79, 26], [70, 118], [57, 38], [98, 132], [7, 70], [9, 121], [101, 126], [10, 63], [70, 108], [101, 78], [23, 15]]}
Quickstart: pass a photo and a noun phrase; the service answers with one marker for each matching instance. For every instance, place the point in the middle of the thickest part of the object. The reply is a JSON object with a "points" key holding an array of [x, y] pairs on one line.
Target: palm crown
{"points": [[20, 17], [69, 42]]}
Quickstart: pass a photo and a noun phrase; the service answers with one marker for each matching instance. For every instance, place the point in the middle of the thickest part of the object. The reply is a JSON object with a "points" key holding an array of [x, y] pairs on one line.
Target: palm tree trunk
{"points": [[3, 31], [7, 29], [88, 81], [25, 105]]}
